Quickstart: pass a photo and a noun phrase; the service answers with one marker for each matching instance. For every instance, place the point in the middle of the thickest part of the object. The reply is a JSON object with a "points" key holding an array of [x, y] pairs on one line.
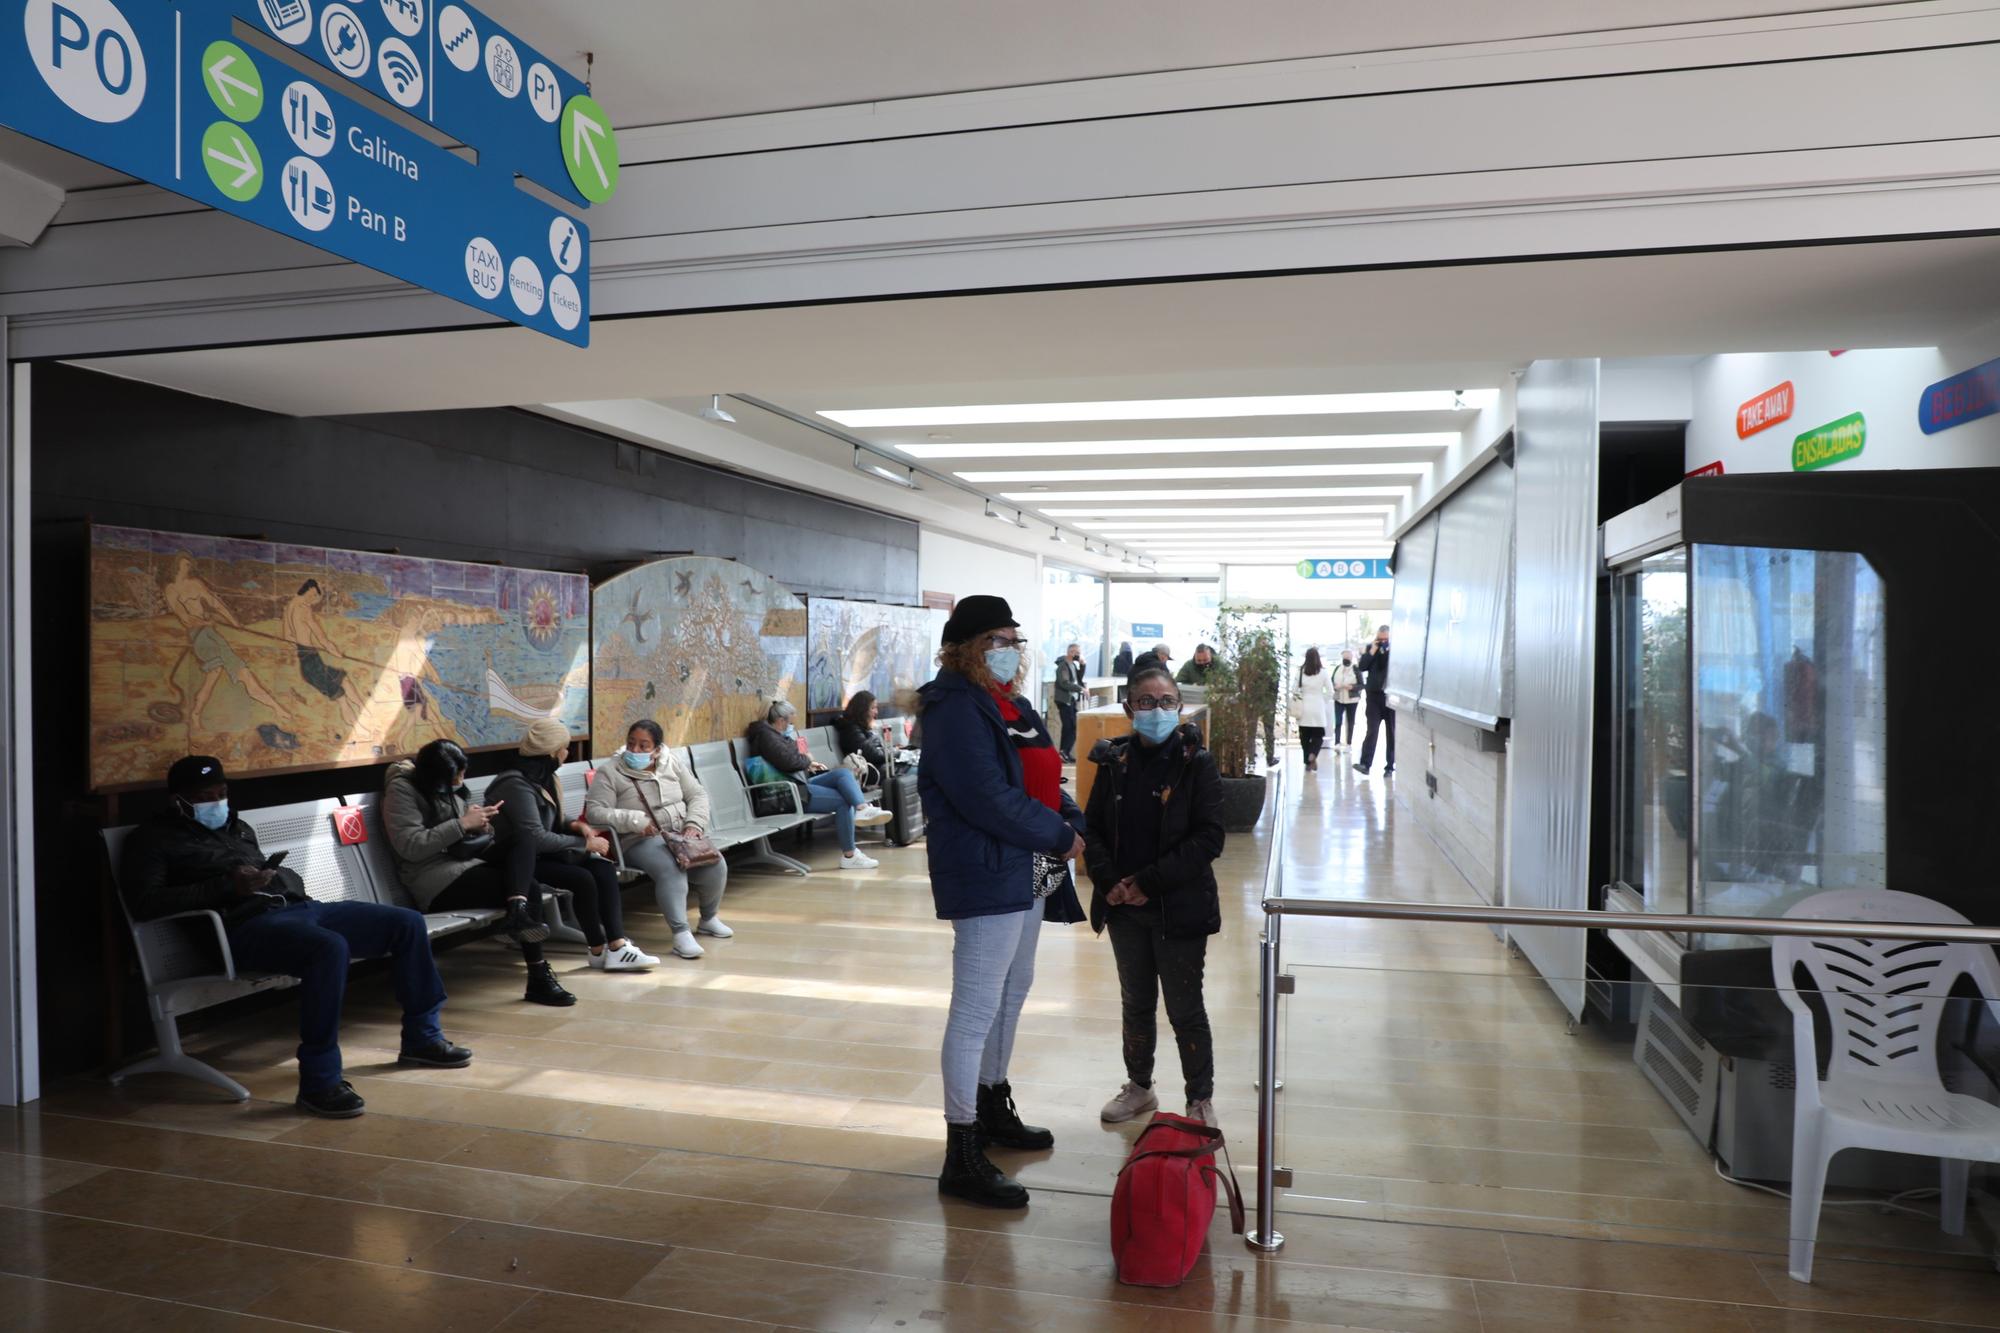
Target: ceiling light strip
{"points": [[1166, 409], [1235, 444], [1202, 473]]}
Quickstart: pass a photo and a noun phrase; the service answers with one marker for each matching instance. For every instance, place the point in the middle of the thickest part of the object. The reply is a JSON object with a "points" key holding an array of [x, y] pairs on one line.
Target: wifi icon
{"points": [[402, 75]]}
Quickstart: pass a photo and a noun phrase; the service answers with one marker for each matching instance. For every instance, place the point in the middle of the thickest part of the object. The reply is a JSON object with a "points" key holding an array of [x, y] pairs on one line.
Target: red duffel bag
{"points": [[1165, 1200]]}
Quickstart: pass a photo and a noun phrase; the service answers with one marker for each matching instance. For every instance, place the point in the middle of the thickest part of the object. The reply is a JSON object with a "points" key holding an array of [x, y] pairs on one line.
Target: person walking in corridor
{"points": [[1000, 831], [1069, 693], [1374, 670], [1312, 697], [1346, 698], [1151, 837]]}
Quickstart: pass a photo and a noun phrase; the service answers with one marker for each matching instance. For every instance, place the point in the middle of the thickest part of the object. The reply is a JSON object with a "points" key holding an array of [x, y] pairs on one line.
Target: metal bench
{"points": [[825, 747], [736, 825]]}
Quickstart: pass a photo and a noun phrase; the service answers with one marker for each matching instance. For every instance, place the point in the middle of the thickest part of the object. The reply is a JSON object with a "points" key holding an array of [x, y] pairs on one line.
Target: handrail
{"points": [[1276, 906]]}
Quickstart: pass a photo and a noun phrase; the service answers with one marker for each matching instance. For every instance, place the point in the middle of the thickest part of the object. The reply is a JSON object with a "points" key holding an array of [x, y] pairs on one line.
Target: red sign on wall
{"points": [[1707, 470], [1765, 410]]}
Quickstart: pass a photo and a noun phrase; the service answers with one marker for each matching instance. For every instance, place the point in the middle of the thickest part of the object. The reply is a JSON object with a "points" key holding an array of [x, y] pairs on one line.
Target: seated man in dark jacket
{"points": [[197, 856]]}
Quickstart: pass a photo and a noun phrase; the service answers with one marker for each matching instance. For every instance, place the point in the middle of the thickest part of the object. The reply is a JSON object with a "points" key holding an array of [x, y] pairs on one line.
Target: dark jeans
{"points": [[314, 942], [1380, 717], [1068, 714], [1311, 739], [485, 886], [1343, 723], [1148, 964], [593, 888]]}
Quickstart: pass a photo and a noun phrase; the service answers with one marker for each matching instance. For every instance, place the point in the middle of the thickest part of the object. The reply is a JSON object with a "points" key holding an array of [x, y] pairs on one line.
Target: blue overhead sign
{"points": [[178, 93], [1345, 568]]}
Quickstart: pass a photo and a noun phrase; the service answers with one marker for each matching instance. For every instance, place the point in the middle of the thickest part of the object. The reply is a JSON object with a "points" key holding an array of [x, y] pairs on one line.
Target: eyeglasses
{"points": [[1148, 704], [998, 642]]}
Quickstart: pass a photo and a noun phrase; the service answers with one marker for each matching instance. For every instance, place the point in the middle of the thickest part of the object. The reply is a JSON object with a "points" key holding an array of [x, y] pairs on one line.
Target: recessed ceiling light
{"points": [[1115, 512], [1228, 445], [1204, 473], [940, 435], [1168, 409], [1233, 493]]}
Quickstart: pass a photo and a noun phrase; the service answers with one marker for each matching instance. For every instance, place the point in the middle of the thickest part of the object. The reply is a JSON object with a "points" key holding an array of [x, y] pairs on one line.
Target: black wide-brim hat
{"points": [[977, 615]]}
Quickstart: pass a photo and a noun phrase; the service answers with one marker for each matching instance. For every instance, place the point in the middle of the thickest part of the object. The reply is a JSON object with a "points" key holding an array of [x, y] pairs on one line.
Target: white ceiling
{"points": [[1446, 328], [661, 61]]}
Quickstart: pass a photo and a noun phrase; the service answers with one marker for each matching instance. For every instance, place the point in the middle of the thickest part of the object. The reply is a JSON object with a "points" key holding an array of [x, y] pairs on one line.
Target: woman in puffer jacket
{"points": [[639, 794], [448, 857]]}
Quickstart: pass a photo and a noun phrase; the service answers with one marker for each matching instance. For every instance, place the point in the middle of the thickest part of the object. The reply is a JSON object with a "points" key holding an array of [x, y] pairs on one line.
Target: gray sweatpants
{"points": [[651, 858]]}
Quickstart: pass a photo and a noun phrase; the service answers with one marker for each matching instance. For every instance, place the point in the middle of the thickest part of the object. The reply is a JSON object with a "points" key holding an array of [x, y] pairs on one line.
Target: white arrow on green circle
{"points": [[232, 80], [589, 149], [233, 161]]}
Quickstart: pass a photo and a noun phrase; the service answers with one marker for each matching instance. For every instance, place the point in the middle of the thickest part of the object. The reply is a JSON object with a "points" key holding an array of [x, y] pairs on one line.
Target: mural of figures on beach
{"points": [[699, 644], [886, 650], [273, 656]]}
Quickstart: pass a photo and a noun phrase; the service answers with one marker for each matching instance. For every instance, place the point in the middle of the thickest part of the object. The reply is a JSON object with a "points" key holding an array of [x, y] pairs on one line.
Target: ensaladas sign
{"points": [[188, 95], [1835, 442]]}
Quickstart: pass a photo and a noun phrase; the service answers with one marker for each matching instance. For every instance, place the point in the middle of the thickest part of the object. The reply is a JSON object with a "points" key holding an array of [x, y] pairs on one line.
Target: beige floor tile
{"points": [[382, 1135], [24, 1180], [796, 1295], [1891, 1291], [556, 1156], [539, 1257], [741, 1179], [149, 1200], [30, 1303], [371, 1298], [337, 1228], [1646, 1270], [550, 1312], [1507, 1308]]}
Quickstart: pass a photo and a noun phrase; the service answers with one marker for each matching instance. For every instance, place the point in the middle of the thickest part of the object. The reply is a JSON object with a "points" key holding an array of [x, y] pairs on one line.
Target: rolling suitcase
{"points": [[899, 794]]}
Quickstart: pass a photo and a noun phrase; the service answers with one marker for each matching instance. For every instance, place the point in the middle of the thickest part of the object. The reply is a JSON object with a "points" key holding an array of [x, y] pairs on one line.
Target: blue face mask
{"points": [[210, 814], [1004, 663], [1155, 726], [791, 731], [634, 760]]}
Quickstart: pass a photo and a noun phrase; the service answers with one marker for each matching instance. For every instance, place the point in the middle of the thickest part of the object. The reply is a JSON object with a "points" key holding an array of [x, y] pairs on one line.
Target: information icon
{"points": [[565, 244]]}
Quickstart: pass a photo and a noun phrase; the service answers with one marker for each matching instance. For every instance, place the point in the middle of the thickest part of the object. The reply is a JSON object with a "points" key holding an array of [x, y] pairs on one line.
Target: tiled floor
{"points": [[749, 1141]]}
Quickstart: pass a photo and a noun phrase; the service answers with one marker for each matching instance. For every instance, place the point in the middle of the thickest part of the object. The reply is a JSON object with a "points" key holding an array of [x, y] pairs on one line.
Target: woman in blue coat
{"points": [[1000, 831]]}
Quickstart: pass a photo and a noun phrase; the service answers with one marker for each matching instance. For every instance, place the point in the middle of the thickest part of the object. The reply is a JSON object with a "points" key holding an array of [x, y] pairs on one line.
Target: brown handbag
{"points": [[691, 850]]}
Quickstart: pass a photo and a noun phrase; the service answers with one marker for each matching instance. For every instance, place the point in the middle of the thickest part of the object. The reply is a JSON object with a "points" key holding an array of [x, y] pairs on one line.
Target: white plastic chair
{"points": [[1885, 999]]}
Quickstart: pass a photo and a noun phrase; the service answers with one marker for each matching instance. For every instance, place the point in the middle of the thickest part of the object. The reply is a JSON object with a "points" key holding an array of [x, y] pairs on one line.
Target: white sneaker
{"points": [[628, 958], [1203, 1110], [857, 860], [712, 925], [1131, 1102], [685, 946], [868, 816]]}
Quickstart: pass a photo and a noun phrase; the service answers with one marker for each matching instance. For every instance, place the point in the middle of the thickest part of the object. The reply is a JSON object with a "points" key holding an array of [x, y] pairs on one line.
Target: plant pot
{"points": [[1242, 803]]}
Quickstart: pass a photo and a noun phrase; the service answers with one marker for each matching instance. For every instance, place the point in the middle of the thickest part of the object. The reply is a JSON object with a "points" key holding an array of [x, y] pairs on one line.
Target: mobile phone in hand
{"points": [[274, 860]]}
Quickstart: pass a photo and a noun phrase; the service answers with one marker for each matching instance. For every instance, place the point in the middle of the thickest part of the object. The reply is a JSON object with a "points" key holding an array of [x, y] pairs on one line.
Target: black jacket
{"points": [[1182, 875], [778, 750], [1373, 668], [1069, 682], [529, 816], [1121, 665], [172, 864], [854, 739]]}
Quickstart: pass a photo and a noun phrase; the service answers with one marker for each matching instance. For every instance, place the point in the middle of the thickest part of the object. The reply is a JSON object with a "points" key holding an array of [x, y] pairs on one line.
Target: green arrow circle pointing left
{"points": [[233, 161], [232, 80]]}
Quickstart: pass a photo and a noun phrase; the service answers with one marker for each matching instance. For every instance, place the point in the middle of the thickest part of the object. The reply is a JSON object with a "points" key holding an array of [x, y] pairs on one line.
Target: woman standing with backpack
{"points": [[1152, 833]]}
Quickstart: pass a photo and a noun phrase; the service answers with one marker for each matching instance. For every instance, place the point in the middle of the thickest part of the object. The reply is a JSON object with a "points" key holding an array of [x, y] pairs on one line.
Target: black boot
{"points": [[970, 1176], [1001, 1124], [543, 988]]}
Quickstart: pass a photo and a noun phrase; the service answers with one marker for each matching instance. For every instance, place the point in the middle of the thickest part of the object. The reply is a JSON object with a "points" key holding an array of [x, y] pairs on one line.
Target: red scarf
{"points": [[1041, 766]]}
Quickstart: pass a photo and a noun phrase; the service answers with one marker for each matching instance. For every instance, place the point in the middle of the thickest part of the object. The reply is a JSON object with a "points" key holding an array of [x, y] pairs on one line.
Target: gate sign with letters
{"points": [[188, 95], [1966, 396], [1350, 568]]}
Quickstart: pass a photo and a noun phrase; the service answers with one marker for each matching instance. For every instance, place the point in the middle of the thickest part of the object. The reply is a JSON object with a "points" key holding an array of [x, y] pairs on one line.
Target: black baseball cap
{"points": [[977, 615], [196, 770]]}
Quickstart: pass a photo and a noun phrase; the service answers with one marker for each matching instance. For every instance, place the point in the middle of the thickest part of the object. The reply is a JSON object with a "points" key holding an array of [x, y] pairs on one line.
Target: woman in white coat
{"points": [[1346, 698], [1312, 699], [646, 790]]}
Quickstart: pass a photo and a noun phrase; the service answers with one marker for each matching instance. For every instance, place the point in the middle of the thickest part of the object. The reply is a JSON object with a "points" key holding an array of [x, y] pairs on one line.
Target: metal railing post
{"points": [[1267, 1237]]}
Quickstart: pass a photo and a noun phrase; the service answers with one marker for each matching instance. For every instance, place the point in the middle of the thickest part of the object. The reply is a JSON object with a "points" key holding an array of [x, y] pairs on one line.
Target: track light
{"points": [[715, 411], [1056, 535], [1014, 518], [885, 469]]}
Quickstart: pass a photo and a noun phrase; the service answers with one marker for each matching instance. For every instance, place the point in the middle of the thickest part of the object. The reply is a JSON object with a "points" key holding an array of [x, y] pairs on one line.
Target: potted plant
{"points": [[1243, 686]]}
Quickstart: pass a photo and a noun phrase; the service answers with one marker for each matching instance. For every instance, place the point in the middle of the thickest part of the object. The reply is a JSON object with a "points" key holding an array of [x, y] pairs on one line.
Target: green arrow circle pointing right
{"points": [[590, 149], [232, 160]]}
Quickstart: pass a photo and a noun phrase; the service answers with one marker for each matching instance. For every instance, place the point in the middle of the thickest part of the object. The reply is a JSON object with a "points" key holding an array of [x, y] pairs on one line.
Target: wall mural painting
{"points": [[699, 644], [886, 650], [273, 656]]}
